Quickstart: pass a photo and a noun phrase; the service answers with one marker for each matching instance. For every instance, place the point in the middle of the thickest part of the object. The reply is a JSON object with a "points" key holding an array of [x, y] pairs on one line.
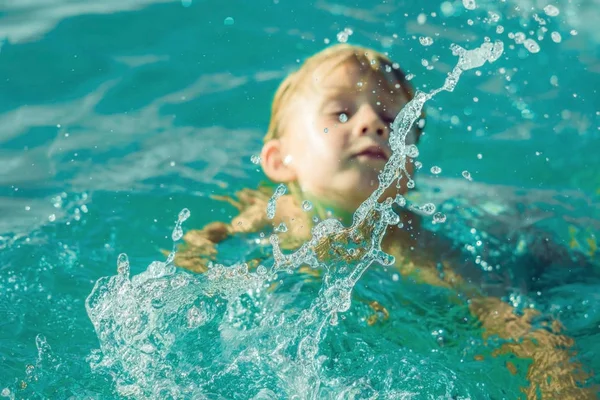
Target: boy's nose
{"points": [[370, 123]]}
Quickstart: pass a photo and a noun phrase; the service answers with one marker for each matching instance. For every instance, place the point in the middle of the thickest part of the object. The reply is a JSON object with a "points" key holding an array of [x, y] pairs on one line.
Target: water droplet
{"points": [[333, 321], [261, 270], [280, 191], [123, 264], [426, 40], [556, 37], [342, 36], [183, 215], [467, 175], [343, 118], [306, 205], [520, 38], [326, 130], [228, 21], [400, 200], [469, 4], [532, 46], [412, 151], [494, 17], [436, 170], [551, 10], [195, 317], [157, 303], [428, 208], [281, 228], [439, 218], [177, 233]]}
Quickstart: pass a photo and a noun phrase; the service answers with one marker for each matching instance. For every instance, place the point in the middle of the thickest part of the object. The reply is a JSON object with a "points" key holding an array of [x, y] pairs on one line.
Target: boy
{"points": [[327, 141]]}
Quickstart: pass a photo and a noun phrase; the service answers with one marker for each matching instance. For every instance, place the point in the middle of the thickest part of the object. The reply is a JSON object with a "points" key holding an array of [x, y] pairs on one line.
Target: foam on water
{"points": [[167, 333]]}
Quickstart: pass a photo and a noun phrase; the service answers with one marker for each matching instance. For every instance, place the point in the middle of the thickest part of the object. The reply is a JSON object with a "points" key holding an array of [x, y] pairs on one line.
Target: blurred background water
{"points": [[115, 115]]}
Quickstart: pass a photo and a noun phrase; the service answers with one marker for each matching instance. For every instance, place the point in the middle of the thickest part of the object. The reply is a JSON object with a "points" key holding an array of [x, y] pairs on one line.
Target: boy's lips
{"points": [[372, 151]]}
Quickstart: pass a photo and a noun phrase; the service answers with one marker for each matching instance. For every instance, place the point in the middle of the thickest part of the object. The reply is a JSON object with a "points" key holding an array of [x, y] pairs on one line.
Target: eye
{"points": [[388, 118], [341, 115]]}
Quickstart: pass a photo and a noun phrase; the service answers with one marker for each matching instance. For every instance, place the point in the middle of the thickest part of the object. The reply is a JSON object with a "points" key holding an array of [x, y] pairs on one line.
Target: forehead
{"points": [[355, 75]]}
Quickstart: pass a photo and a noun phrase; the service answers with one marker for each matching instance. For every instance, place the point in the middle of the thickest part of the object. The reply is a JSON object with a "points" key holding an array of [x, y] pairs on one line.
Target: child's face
{"points": [[335, 138]]}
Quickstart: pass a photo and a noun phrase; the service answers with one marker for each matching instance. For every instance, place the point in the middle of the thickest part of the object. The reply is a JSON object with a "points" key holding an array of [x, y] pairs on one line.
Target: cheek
{"points": [[323, 145]]}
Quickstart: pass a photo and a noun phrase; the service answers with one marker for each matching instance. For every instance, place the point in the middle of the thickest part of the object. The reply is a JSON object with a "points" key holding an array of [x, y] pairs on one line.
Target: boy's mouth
{"points": [[372, 152]]}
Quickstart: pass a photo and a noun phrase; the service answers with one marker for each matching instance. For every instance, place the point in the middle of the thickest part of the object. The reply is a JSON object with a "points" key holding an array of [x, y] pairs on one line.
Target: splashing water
{"points": [[166, 333]]}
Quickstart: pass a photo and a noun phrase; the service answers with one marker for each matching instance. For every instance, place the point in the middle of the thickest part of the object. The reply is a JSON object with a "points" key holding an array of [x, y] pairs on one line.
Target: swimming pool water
{"points": [[116, 116]]}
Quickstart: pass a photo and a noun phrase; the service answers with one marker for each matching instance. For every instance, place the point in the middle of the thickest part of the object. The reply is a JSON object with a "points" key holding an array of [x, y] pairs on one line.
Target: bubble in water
{"points": [[439, 218], [228, 21], [123, 264], [306, 205], [5, 392], [410, 184], [467, 175], [469, 4], [556, 37], [436, 170], [186, 3], [52, 217], [255, 159], [532, 46], [343, 118], [551, 10], [426, 40]]}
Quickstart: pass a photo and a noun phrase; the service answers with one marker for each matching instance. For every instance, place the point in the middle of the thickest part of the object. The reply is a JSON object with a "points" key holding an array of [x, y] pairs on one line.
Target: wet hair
{"points": [[366, 59]]}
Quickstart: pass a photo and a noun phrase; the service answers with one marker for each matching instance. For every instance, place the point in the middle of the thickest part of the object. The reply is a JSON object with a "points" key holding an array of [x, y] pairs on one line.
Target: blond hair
{"points": [[342, 53]]}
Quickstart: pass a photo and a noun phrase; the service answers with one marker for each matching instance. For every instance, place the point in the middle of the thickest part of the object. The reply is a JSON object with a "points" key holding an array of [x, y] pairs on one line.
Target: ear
{"points": [[272, 161]]}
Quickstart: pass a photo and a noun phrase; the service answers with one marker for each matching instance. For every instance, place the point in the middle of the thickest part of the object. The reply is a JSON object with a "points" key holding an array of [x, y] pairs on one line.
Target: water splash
{"points": [[271, 205], [167, 333]]}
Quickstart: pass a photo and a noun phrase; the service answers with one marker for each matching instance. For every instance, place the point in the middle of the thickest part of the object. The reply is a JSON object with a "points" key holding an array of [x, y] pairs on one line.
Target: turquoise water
{"points": [[116, 116]]}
